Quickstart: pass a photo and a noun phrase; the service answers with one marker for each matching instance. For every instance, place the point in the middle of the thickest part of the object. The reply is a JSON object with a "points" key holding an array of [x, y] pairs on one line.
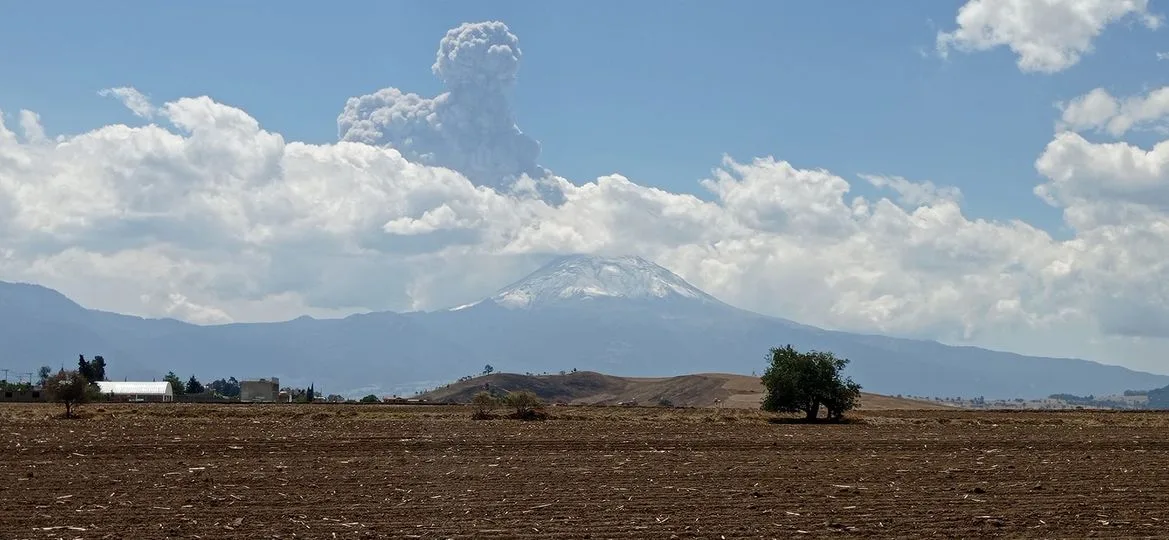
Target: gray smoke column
{"points": [[482, 55], [471, 127]]}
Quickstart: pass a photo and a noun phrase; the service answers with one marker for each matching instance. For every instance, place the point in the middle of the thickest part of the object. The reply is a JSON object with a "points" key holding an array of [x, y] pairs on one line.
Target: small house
{"points": [[259, 391]]}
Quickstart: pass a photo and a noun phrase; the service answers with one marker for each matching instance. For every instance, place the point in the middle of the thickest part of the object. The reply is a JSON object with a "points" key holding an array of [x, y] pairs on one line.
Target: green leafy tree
{"points": [[225, 387], [44, 374], [193, 386], [308, 396], [843, 397], [70, 388], [84, 368], [176, 385], [488, 369], [370, 399], [98, 369], [803, 382]]}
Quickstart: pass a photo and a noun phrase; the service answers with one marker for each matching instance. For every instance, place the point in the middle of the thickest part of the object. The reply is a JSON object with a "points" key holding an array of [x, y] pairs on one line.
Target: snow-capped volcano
{"points": [[584, 277]]}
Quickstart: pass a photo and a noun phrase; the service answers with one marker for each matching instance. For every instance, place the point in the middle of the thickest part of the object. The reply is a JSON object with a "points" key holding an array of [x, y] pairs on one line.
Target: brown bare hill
{"points": [[592, 388]]}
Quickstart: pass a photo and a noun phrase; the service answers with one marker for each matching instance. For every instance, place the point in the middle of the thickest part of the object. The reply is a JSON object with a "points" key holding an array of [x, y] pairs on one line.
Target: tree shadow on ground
{"points": [[530, 415], [825, 421]]}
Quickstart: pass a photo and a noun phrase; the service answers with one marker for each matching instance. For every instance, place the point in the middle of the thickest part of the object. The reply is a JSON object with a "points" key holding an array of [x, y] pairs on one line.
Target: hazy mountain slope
{"points": [[41, 327], [373, 352], [623, 316]]}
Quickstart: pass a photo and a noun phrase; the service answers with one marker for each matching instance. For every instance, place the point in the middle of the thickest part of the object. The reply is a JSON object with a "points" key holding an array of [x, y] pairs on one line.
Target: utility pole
{"points": [[5, 370]]}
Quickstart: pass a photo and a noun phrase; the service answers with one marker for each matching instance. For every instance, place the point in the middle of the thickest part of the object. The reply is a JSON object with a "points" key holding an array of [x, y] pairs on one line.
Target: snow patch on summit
{"points": [[584, 277]]}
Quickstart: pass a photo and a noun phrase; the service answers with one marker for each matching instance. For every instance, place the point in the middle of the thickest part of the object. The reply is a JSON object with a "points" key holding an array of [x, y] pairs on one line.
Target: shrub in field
{"points": [[526, 405], [484, 406], [803, 382], [70, 388]]}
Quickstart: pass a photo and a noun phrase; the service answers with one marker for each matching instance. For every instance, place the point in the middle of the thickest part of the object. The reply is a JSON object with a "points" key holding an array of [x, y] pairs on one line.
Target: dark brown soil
{"points": [[377, 471]]}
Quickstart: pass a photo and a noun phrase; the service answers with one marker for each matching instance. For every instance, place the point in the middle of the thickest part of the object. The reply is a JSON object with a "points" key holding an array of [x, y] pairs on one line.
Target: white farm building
{"points": [[137, 391]]}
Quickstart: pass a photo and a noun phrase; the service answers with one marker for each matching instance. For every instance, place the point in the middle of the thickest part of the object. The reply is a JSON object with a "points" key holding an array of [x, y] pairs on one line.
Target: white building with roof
{"points": [[137, 391]]}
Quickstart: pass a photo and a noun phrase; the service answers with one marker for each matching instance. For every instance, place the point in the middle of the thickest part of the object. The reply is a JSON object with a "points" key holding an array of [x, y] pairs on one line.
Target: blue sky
{"points": [[657, 91]]}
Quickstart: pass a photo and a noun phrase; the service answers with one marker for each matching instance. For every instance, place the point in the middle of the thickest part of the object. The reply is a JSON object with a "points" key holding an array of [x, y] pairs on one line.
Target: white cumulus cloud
{"points": [[1047, 35], [213, 217], [30, 123], [915, 193], [134, 100], [1099, 110]]}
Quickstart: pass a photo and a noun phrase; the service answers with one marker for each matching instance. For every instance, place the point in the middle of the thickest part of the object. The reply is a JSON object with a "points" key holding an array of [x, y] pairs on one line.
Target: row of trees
{"points": [[795, 381], [229, 388], [222, 387], [75, 387], [78, 386]]}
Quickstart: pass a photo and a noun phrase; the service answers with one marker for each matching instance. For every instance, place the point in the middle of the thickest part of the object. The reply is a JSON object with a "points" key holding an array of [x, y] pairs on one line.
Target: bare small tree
{"points": [[484, 404], [68, 387], [526, 403]]}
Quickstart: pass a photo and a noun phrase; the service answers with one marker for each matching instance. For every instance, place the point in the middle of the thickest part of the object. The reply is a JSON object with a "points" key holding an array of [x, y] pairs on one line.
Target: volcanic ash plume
{"points": [[470, 128]]}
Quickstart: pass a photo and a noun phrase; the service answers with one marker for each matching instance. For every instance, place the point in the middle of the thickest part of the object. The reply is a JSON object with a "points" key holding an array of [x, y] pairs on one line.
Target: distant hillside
{"points": [[592, 388]]}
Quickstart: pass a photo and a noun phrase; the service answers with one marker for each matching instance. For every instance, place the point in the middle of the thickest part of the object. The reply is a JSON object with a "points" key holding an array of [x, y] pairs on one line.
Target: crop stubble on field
{"points": [[379, 471]]}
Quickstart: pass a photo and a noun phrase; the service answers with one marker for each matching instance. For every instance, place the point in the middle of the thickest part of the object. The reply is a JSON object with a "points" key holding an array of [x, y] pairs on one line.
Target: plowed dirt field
{"points": [[378, 471]]}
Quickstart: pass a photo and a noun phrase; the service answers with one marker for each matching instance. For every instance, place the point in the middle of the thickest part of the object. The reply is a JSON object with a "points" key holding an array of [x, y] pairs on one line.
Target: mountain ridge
{"points": [[586, 277], [617, 321]]}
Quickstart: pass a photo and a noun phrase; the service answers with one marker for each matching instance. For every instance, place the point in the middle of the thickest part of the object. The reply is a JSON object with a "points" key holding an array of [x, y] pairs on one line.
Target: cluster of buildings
{"points": [[251, 391], [262, 390]]}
